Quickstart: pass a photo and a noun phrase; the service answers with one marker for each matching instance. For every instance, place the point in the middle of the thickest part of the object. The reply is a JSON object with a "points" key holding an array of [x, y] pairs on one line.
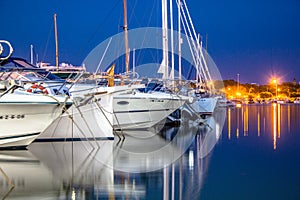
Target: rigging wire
{"points": [[47, 42], [132, 13], [139, 57], [101, 24]]}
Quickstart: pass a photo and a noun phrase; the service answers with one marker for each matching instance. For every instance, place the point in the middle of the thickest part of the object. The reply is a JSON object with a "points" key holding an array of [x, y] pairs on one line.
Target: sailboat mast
{"points": [[125, 27], [172, 43], [179, 40], [56, 42], [165, 38]]}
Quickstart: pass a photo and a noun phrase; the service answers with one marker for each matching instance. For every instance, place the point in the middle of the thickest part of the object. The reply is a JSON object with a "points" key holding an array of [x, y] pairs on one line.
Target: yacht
{"points": [[132, 108], [89, 118], [144, 110], [32, 78], [204, 105], [24, 115], [27, 107]]}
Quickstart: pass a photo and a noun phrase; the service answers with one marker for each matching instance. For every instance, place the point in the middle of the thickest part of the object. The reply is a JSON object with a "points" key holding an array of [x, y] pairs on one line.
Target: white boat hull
{"points": [[24, 117], [144, 110], [132, 109], [90, 118], [204, 105]]}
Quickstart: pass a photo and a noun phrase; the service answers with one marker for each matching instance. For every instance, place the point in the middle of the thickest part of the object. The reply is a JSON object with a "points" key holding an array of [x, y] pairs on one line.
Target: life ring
{"points": [[36, 86]]}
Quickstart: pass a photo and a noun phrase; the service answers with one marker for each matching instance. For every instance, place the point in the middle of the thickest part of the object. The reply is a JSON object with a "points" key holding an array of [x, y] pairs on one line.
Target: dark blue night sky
{"points": [[253, 38]]}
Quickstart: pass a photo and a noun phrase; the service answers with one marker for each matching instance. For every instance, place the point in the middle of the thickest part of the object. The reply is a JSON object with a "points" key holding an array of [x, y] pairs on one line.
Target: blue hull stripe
{"points": [[139, 111], [19, 136], [71, 139]]}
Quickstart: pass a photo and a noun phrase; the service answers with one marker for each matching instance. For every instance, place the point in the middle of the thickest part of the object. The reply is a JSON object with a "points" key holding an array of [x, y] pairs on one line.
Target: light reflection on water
{"points": [[258, 153], [263, 120]]}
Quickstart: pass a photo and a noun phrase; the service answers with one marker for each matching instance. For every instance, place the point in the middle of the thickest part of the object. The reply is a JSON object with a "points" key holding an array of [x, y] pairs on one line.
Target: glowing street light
{"points": [[238, 82], [275, 81]]}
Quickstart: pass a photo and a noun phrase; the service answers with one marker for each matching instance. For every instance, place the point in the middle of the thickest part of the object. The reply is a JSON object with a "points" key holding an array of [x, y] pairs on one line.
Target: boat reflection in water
{"points": [[78, 166], [262, 120], [23, 175], [171, 163]]}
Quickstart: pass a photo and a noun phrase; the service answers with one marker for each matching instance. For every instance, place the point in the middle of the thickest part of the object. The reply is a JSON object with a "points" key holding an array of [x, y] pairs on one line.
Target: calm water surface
{"points": [[250, 152]]}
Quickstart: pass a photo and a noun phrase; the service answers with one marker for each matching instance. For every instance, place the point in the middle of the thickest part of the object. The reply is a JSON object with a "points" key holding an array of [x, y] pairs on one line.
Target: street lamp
{"points": [[274, 81], [238, 82]]}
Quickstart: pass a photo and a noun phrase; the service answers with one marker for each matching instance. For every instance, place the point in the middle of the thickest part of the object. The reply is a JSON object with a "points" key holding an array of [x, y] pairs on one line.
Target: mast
{"points": [[165, 39], [56, 42], [133, 62], [179, 40], [172, 43], [125, 27]]}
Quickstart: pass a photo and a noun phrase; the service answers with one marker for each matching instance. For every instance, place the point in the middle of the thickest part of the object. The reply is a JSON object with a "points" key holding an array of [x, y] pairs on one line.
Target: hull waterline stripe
{"points": [[20, 160], [24, 102], [138, 111], [71, 139], [14, 148], [19, 136], [151, 98]]}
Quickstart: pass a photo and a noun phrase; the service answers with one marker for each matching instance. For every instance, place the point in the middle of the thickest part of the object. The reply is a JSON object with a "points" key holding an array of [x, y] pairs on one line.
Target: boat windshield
{"points": [[24, 64], [20, 69]]}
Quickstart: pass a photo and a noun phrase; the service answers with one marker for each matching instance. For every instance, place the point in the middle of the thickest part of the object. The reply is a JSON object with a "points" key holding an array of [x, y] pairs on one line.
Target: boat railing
{"points": [[13, 75], [10, 89], [10, 50]]}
